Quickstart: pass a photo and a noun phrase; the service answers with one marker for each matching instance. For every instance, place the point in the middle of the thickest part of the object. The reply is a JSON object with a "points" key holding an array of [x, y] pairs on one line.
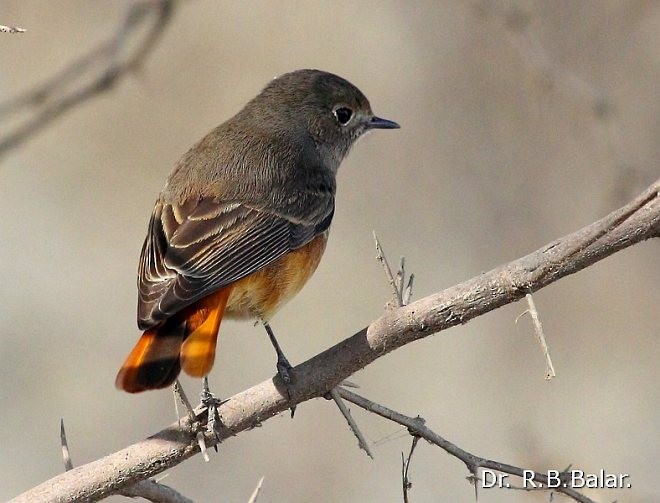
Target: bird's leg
{"points": [[284, 368], [211, 403]]}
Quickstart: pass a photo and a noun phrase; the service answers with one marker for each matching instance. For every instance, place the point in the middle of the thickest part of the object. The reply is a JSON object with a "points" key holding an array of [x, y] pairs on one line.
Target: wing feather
{"points": [[192, 250]]}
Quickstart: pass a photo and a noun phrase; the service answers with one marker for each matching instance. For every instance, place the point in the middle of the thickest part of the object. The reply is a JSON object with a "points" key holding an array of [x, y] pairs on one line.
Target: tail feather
{"points": [[202, 325], [186, 341], [154, 361]]}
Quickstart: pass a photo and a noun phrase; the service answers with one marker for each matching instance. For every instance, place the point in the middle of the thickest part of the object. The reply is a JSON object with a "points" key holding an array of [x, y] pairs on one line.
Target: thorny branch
{"points": [[550, 74], [92, 74], [402, 291], [417, 427], [148, 489], [554, 76], [154, 492], [637, 221], [99, 70], [362, 442]]}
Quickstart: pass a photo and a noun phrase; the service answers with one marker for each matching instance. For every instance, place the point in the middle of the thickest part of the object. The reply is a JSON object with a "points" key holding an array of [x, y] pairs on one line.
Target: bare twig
{"points": [[402, 292], [362, 442], [416, 426], [551, 74], [637, 221], [255, 493], [94, 73], [540, 336], [380, 256], [155, 492], [11, 29], [405, 467], [398, 286]]}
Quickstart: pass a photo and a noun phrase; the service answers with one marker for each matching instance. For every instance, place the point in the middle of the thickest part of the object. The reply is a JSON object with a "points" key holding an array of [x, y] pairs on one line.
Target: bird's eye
{"points": [[343, 115]]}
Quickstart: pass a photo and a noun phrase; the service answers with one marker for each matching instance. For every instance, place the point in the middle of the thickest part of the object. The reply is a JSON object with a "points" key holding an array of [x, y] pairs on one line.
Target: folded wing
{"points": [[196, 248]]}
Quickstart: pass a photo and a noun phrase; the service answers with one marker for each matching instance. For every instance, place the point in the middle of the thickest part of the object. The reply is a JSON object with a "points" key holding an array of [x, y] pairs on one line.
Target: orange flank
{"points": [[262, 293], [187, 341]]}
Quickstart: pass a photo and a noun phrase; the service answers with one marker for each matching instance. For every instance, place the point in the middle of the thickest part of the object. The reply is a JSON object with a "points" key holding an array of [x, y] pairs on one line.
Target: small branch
{"points": [[11, 29], [637, 221], [417, 427], [362, 442], [155, 492], [553, 76], [402, 292], [550, 74], [94, 73], [405, 467], [380, 256]]}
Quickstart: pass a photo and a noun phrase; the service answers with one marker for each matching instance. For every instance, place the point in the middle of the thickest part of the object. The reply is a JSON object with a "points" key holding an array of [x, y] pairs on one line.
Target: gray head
{"points": [[317, 105], [294, 133]]}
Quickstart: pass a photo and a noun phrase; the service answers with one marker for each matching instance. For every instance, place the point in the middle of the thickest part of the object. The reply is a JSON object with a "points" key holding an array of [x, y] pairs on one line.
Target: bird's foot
{"points": [[211, 402], [284, 368], [285, 371]]}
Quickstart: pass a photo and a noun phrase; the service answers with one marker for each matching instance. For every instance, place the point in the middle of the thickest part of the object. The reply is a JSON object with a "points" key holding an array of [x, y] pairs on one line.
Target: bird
{"points": [[242, 222]]}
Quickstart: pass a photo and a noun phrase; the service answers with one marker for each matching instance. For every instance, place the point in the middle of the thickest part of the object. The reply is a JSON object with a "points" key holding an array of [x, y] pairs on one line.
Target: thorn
{"points": [[540, 336], [362, 442], [202, 446], [68, 465], [255, 493], [178, 392]]}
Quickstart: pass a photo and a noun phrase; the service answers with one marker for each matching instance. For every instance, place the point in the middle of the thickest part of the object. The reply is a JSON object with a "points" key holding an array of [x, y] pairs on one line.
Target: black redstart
{"points": [[242, 222]]}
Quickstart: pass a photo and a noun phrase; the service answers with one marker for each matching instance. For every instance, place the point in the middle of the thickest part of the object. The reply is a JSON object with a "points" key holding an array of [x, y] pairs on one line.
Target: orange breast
{"points": [[262, 293]]}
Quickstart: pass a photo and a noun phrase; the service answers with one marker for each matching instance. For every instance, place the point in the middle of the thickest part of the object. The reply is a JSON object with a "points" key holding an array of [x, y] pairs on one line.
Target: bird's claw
{"points": [[211, 402]]}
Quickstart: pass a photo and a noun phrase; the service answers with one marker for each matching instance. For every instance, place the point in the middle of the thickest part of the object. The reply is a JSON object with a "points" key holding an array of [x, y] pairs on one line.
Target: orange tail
{"points": [[154, 361], [202, 325], [185, 341]]}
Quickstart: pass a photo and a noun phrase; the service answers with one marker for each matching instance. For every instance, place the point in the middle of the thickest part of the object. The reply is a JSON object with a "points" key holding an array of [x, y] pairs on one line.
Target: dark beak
{"points": [[378, 123]]}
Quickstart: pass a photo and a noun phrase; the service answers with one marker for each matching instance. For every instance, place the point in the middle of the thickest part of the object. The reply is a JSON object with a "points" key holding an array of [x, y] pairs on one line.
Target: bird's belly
{"points": [[262, 293]]}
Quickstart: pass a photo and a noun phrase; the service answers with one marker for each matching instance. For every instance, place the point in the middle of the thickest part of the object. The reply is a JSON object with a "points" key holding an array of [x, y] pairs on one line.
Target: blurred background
{"points": [[521, 122]]}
